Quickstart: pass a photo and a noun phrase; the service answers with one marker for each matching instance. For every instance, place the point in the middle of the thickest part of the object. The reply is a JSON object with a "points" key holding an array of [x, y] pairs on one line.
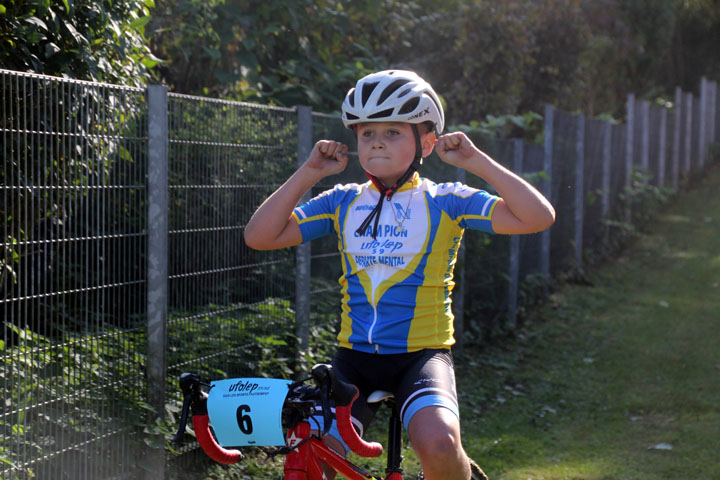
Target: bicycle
{"points": [[305, 450]]}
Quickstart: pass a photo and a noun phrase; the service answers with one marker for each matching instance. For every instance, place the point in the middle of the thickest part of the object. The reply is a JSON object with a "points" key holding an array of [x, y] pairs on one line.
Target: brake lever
{"points": [[323, 376], [192, 396], [327, 411], [183, 419]]}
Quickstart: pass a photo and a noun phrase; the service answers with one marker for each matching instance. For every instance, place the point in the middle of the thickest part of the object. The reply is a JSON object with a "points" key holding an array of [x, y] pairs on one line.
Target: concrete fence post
{"points": [[157, 262], [677, 136], [714, 136], [579, 190], [303, 251], [645, 137], [702, 127], [662, 147], [546, 189], [712, 126], [687, 153], [606, 168], [629, 146], [514, 267]]}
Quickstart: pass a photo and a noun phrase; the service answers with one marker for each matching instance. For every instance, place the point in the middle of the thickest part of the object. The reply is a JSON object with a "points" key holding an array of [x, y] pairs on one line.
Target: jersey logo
{"points": [[400, 212]]}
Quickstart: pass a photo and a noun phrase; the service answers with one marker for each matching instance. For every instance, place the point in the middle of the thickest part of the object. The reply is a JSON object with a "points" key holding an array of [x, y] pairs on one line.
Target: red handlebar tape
{"points": [[350, 436], [209, 445]]}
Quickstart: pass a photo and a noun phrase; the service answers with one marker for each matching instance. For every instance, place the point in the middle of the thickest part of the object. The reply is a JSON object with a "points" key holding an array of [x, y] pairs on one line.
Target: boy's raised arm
{"points": [[522, 209], [272, 225]]}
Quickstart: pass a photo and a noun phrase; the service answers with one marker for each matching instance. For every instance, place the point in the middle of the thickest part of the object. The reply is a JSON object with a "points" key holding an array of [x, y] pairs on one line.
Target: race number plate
{"points": [[247, 411]]}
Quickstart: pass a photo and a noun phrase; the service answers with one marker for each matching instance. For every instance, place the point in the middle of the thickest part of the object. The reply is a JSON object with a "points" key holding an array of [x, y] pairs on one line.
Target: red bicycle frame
{"points": [[304, 463]]}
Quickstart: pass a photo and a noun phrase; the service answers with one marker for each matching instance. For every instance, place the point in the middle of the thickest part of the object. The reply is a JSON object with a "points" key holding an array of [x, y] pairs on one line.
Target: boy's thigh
{"points": [[429, 383]]}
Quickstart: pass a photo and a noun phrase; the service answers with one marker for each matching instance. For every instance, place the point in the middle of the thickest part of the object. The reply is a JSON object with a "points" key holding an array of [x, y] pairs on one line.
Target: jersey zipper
{"points": [[372, 327]]}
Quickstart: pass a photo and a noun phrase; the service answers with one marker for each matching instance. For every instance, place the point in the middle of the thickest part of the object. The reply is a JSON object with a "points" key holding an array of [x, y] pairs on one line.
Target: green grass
{"points": [[603, 373]]}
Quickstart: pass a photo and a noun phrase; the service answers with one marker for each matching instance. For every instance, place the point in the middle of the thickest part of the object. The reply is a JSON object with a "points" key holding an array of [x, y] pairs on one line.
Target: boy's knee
{"points": [[438, 445], [435, 434]]}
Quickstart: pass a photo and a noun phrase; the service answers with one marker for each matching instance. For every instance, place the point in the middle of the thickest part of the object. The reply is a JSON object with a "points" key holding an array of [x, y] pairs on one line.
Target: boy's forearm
{"points": [[271, 218], [523, 200]]}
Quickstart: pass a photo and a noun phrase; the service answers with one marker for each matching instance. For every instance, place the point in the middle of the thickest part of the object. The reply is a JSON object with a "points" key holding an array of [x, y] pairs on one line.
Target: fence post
{"points": [[676, 137], [714, 116], [579, 189], [303, 252], [514, 273], [687, 162], [629, 145], [606, 172], [157, 262], [662, 158], [703, 121], [458, 303], [713, 112], [547, 191], [645, 137]]}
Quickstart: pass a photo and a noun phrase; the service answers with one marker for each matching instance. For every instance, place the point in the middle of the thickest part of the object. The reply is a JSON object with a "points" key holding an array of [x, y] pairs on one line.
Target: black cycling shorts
{"points": [[417, 379]]}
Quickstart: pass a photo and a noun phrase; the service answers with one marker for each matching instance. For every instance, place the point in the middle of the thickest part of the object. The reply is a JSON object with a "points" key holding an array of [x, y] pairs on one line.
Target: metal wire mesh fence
{"points": [[72, 304], [224, 158], [123, 262]]}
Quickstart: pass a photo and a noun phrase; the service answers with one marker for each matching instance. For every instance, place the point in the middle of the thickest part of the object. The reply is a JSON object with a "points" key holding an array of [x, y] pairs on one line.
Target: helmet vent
{"points": [[409, 106], [367, 90], [383, 114], [392, 88], [351, 97]]}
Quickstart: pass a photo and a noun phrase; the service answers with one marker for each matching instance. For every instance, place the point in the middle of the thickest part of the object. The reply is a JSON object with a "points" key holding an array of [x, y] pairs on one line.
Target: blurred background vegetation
{"points": [[484, 57]]}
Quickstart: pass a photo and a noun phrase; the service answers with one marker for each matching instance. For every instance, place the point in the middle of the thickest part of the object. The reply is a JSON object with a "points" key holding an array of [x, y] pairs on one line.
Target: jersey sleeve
{"points": [[473, 208], [316, 218]]}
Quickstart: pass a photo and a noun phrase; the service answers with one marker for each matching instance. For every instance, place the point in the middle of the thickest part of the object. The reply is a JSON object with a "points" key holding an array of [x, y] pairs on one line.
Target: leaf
{"points": [[213, 53], [139, 23], [74, 33], [37, 22]]}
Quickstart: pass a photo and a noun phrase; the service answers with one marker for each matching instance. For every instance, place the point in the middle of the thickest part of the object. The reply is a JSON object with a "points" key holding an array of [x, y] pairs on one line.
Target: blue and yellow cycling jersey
{"points": [[396, 287]]}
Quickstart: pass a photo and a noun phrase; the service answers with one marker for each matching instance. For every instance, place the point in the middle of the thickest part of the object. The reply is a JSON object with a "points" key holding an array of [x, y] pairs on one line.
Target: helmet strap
{"points": [[418, 144]]}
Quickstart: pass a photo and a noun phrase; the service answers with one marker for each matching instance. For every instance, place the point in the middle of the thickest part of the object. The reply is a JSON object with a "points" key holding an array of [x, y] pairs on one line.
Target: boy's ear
{"points": [[428, 142]]}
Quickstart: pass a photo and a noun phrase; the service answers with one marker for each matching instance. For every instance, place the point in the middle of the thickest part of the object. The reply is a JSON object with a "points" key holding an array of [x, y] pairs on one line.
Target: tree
{"points": [[85, 39], [273, 51]]}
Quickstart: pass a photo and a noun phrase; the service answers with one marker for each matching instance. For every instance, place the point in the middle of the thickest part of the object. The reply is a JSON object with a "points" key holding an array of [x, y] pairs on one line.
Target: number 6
{"points": [[243, 419]]}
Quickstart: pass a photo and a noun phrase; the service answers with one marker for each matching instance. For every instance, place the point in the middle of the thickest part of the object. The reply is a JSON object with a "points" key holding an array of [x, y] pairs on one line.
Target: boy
{"points": [[398, 235]]}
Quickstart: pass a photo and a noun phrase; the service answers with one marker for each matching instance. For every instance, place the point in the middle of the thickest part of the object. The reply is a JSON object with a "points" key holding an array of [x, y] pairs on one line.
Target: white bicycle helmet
{"points": [[393, 96]]}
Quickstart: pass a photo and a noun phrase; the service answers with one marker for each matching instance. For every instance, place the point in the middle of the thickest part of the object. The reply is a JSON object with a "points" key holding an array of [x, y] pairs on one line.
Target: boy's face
{"points": [[386, 149]]}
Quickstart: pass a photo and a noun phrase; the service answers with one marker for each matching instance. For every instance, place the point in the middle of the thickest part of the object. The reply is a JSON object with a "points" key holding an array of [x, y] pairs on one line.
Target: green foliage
{"points": [[84, 39], [81, 375], [98, 379], [528, 126], [275, 52], [645, 199], [106, 122]]}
